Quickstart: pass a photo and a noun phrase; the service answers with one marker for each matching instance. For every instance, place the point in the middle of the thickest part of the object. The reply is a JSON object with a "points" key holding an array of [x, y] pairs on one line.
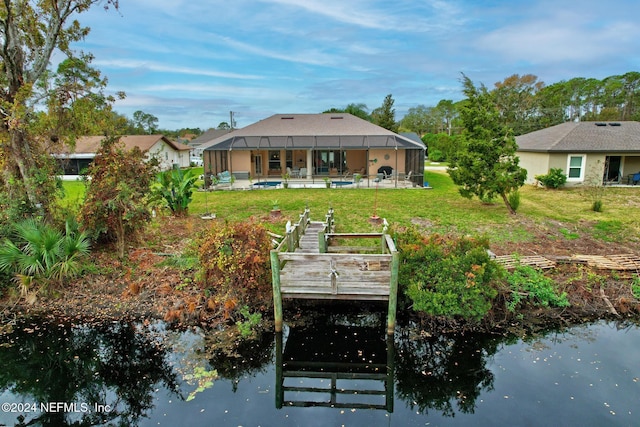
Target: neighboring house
{"points": [[169, 153], [201, 142], [583, 150], [314, 145]]}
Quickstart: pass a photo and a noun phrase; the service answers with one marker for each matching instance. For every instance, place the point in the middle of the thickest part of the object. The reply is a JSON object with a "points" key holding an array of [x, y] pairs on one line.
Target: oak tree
{"points": [[30, 33]]}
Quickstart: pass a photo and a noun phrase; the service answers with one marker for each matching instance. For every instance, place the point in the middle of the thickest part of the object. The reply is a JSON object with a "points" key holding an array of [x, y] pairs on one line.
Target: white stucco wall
{"points": [[168, 156]]}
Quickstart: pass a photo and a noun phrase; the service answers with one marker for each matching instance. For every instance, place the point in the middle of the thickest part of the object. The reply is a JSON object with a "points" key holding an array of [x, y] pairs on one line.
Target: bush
{"points": [[556, 178], [235, 267], [176, 188], [447, 276], [514, 199], [528, 283], [435, 155], [40, 254], [116, 202], [597, 205]]}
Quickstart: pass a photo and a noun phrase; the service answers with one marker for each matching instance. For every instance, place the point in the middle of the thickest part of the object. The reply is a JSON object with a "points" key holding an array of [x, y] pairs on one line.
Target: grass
{"points": [[442, 208]]}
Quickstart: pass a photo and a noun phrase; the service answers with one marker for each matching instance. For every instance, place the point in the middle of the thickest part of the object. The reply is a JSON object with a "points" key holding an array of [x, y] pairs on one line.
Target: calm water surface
{"points": [[338, 371]]}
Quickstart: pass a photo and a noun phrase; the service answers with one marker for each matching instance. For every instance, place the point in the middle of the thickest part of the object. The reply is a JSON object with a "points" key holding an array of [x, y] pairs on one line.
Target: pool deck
{"points": [[317, 182]]}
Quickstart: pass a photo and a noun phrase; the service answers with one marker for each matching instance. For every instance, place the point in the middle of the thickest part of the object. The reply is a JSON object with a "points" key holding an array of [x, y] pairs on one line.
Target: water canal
{"points": [[337, 371]]}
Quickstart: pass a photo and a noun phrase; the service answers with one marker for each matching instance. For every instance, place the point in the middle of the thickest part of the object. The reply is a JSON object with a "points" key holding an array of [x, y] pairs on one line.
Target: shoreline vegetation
{"points": [[176, 271]]}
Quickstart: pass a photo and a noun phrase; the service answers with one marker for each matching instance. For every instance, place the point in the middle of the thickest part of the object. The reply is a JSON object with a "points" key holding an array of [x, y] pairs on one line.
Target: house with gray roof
{"points": [[314, 146], [610, 150], [201, 142]]}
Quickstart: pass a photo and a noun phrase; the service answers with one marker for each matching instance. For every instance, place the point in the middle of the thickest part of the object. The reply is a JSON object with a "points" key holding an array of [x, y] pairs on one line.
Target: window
{"points": [[274, 160], [575, 167]]}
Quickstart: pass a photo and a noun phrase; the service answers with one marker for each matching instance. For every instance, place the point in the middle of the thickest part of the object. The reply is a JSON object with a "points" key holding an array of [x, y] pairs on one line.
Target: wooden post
{"points": [[322, 242], [291, 246], [279, 368], [393, 292], [277, 295], [391, 367]]}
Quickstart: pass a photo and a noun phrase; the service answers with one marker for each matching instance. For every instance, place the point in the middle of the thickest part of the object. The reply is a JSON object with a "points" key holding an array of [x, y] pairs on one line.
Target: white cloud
{"points": [[162, 68]]}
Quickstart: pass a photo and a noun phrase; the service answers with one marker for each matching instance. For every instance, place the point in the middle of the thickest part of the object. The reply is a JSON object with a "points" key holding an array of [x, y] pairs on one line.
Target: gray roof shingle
{"points": [[303, 131], [621, 137]]}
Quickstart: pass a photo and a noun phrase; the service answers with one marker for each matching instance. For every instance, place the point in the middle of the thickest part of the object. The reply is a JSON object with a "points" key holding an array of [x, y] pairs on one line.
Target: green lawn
{"points": [[440, 208]]}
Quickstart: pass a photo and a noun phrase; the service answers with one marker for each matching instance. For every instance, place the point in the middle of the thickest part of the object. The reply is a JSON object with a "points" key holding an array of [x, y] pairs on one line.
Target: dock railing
{"points": [[337, 271]]}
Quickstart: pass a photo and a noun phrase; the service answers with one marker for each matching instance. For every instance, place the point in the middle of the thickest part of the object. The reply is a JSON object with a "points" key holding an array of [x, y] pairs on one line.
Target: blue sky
{"points": [[190, 62]]}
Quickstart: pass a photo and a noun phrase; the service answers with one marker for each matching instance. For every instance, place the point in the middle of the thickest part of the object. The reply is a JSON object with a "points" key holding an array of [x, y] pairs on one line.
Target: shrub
{"points": [[514, 199], [176, 187], [556, 178], [235, 268], [39, 254], [528, 283], [447, 276], [597, 205], [435, 155], [116, 202]]}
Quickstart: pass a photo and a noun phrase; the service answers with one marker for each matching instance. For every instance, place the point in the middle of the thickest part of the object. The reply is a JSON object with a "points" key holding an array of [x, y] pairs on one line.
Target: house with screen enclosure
{"points": [[315, 146], [605, 150]]}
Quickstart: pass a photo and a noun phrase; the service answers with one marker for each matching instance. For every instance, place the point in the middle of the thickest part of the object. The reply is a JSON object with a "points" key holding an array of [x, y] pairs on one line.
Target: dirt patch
{"points": [[554, 238]]}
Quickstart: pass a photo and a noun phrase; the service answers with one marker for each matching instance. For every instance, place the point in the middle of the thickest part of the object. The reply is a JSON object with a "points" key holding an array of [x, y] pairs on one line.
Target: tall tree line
{"points": [[527, 104]]}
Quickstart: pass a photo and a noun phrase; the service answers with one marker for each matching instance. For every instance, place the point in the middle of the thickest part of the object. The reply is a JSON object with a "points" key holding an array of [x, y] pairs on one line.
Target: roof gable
{"points": [[91, 144], [584, 137]]}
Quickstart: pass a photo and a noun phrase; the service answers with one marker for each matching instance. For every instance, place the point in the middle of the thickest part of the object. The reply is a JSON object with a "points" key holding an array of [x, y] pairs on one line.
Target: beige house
{"points": [[169, 153], [314, 146], [606, 151]]}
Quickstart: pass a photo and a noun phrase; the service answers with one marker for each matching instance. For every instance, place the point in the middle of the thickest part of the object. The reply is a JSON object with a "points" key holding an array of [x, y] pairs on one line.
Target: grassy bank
{"points": [[440, 209]]}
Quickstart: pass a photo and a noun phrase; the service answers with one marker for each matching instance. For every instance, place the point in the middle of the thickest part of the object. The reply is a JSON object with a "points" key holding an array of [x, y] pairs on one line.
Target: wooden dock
{"points": [[312, 262]]}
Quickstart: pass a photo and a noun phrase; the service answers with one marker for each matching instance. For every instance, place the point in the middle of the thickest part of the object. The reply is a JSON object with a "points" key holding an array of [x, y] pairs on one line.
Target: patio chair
{"points": [[407, 178], [635, 178], [303, 172]]}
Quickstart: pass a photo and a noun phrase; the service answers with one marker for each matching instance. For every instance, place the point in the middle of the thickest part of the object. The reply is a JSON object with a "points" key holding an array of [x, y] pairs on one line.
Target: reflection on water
{"points": [[84, 375], [443, 373], [338, 370], [337, 366]]}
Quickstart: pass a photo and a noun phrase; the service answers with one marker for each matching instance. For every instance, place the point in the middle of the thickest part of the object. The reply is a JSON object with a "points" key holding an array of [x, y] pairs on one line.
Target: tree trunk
{"points": [[19, 170], [507, 204], [120, 237]]}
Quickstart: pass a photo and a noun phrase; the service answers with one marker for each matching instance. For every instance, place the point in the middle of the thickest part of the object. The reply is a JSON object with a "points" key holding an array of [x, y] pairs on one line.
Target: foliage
{"points": [[447, 276], [176, 187], [251, 320], [528, 283], [358, 110], [385, 115], [435, 155], [447, 145], [144, 123], [514, 199], [635, 287], [556, 178], [37, 253], [31, 32], [116, 202], [203, 378], [515, 100], [487, 165], [235, 266]]}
